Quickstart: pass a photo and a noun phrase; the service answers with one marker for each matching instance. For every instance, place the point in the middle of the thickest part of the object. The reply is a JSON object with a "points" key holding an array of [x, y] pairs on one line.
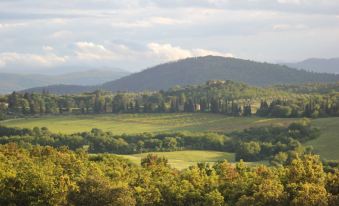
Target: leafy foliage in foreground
{"points": [[45, 176]]}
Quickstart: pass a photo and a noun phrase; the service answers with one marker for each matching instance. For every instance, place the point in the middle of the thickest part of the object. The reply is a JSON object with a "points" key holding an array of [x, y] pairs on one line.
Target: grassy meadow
{"points": [[327, 145], [139, 123], [184, 159]]}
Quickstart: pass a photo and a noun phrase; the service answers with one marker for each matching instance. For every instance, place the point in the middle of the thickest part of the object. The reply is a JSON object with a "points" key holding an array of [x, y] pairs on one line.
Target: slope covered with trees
{"points": [[201, 69], [311, 88], [198, 70]]}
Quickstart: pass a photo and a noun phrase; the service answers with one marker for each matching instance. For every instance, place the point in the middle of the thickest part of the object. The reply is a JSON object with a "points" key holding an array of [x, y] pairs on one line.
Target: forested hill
{"points": [[201, 69]]}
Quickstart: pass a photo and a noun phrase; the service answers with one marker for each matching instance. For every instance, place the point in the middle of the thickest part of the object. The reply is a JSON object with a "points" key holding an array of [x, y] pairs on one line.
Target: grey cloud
{"points": [[254, 29]]}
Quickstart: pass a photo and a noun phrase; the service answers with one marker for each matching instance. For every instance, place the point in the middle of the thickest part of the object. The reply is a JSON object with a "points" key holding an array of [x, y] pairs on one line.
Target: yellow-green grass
{"points": [[327, 145], [184, 159], [139, 123]]}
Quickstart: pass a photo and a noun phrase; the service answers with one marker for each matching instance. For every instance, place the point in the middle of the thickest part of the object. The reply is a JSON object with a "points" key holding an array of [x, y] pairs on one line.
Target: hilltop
{"points": [[201, 69]]}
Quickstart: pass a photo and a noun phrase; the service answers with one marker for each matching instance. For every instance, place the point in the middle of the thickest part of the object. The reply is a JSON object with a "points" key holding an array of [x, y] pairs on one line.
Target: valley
{"points": [[326, 145]]}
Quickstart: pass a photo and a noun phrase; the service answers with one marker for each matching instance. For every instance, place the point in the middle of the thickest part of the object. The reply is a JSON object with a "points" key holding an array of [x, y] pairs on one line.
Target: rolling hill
{"points": [[10, 82], [201, 69], [318, 65], [198, 70]]}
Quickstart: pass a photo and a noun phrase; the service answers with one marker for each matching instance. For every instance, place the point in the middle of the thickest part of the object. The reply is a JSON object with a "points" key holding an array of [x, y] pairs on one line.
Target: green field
{"points": [[184, 159], [327, 145], [138, 123]]}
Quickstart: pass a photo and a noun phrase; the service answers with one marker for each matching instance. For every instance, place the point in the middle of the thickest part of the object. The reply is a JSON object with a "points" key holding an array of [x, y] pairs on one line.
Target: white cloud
{"points": [[60, 21], [61, 34], [282, 27], [166, 21], [13, 58], [204, 52], [2, 63], [47, 48], [134, 24], [90, 51], [11, 25], [149, 22], [169, 52], [300, 2], [290, 1]]}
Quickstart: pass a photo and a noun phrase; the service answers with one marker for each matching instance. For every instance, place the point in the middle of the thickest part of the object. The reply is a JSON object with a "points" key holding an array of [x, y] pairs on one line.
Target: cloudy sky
{"points": [[56, 36]]}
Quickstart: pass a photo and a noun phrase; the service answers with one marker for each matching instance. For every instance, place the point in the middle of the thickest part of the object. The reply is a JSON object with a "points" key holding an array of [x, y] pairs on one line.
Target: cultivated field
{"points": [[327, 145]]}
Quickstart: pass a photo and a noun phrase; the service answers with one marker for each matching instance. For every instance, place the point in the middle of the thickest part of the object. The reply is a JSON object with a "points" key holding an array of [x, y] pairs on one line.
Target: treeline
{"points": [[313, 107], [315, 88], [275, 144], [202, 98], [223, 97], [97, 141], [46, 176]]}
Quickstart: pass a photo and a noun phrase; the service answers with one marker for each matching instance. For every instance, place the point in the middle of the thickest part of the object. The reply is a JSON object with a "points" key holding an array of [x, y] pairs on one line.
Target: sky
{"points": [[68, 35]]}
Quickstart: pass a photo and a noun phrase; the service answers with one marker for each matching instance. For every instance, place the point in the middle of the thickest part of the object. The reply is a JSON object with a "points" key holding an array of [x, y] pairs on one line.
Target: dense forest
{"points": [[42, 175], [215, 96]]}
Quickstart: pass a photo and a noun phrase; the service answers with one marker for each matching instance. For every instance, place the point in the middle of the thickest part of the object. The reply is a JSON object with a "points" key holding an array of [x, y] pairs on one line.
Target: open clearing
{"points": [[327, 145], [139, 123], [184, 159]]}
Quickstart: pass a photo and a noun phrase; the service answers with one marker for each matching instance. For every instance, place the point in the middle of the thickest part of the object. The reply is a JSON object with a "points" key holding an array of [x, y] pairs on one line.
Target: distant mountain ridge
{"points": [[62, 89], [318, 65], [198, 70], [10, 82]]}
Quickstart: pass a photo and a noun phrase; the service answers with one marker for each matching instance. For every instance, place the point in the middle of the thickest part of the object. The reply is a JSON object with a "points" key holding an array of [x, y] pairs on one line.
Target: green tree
{"points": [[214, 198]]}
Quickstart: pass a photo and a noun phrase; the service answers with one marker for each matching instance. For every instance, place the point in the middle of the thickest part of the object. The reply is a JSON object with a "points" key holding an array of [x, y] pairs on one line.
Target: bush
{"points": [[281, 111]]}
